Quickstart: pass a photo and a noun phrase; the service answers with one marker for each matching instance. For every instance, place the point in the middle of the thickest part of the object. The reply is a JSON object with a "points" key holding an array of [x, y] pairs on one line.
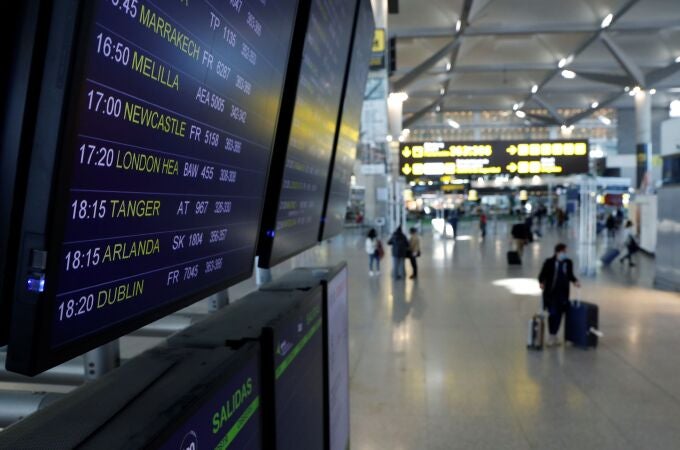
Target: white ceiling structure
{"points": [[489, 55]]}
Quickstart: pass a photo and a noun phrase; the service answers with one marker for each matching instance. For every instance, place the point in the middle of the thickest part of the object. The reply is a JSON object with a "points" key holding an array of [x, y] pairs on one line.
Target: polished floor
{"points": [[440, 362]]}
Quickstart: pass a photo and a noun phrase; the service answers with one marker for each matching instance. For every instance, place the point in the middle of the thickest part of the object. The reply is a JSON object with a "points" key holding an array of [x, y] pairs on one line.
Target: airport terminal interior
{"points": [[340, 224]]}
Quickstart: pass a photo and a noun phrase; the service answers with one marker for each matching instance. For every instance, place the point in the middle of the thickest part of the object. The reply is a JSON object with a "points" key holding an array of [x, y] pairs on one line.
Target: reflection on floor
{"points": [[441, 363]]}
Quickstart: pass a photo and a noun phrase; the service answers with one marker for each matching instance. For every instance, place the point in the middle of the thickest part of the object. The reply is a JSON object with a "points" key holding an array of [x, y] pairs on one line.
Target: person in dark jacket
{"points": [[610, 225], [453, 221], [400, 251], [555, 278]]}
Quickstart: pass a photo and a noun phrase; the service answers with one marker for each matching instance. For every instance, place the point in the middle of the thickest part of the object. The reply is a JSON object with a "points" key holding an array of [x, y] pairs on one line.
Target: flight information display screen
{"points": [[164, 158], [315, 117], [299, 378], [474, 158], [348, 133], [230, 418]]}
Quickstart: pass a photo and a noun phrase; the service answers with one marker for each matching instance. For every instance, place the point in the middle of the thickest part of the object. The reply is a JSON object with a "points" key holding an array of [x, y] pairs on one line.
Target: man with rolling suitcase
{"points": [[555, 278]]}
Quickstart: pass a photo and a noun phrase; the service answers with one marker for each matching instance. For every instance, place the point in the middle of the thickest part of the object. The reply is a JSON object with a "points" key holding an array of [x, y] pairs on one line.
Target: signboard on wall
{"points": [[521, 158]]}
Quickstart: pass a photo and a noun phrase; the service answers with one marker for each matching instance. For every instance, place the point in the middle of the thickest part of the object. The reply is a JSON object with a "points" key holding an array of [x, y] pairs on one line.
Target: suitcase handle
{"points": [[596, 332]]}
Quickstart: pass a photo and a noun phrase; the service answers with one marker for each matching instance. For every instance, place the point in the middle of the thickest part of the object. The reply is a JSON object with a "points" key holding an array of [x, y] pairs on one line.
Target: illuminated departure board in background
{"points": [[521, 158], [315, 116], [348, 133], [164, 155]]}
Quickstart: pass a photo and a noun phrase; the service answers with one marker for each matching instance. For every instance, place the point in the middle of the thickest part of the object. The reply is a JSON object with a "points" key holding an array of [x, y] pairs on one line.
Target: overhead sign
{"points": [[522, 158], [378, 49]]}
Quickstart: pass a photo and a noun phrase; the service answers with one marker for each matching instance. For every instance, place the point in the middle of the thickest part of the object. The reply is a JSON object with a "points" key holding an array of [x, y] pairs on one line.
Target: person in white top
{"points": [[629, 244], [373, 251]]}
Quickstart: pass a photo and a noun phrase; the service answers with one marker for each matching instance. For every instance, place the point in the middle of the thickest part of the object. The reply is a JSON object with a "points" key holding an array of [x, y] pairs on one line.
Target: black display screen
{"points": [[163, 159], [348, 132], [230, 418], [299, 379], [315, 116]]}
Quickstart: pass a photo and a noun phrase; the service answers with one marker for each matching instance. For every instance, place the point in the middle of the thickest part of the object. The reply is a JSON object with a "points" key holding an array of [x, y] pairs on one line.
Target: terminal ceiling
{"points": [[488, 55]]}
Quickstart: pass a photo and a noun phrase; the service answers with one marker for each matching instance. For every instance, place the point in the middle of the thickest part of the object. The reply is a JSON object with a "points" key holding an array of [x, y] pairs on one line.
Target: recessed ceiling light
{"points": [[594, 105], [453, 124], [521, 114], [534, 88], [569, 74], [605, 120], [607, 21]]}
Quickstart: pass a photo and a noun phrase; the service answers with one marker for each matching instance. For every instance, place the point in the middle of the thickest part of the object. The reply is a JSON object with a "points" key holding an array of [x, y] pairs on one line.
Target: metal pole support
{"points": [[102, 360], [17, 405], [218, 301], [263, 276]]}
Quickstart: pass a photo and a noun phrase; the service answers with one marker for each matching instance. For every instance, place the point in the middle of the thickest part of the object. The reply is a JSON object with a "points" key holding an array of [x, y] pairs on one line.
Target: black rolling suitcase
{"points": [[514, 259], [581, 324]]}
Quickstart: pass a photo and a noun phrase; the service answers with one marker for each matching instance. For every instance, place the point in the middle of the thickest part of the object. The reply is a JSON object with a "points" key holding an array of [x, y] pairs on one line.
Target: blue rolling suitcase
{"points": [[609, 256], [580, 327]]}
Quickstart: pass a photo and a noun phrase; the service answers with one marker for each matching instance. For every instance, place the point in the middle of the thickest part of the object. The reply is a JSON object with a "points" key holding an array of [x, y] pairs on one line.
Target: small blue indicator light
{"points": [[36, 283]]}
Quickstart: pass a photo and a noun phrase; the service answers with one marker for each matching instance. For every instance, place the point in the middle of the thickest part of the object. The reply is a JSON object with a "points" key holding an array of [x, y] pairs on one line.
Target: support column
{"points": [[102, 360], [643, 134], [262, 276], [218, 301]]}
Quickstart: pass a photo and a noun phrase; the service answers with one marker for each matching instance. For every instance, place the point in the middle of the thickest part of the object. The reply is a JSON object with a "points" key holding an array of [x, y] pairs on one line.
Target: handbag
{"points": [[380, 250]]}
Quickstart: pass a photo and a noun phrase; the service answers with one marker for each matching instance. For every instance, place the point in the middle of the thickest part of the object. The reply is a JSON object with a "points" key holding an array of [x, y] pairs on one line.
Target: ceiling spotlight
{"points": [[565, 61], [458, 25], [438, 108], [677, 60], [448, 66], [569, 74], [453, 124], [534, 88], [515, 107], [605, 120], [388, 138], [442, 91], [521, 114], [398, 96], [406, 131], [652, 91], [594, 105], [626, 89], [402, 138], [607, 21]]}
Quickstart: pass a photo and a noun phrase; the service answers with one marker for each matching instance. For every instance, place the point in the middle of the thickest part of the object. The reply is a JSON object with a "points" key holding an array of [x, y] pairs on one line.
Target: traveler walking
{"points": [[610, 225], [555, 278], [414, 250], [520, 235], [453, 221], [399, 244], [482, 223], [629, 243], [373, 247]]}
